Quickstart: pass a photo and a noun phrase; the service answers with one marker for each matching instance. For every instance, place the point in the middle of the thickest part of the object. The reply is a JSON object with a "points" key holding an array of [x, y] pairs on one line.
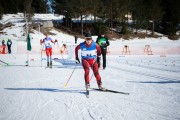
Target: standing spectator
{"points": [[90, 50], [3, 47], [103, 42], [9, 43], [48, 47]]}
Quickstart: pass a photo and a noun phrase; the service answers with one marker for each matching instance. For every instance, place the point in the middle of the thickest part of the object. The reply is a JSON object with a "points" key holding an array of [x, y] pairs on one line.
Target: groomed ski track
{"points": [[35, 93]]}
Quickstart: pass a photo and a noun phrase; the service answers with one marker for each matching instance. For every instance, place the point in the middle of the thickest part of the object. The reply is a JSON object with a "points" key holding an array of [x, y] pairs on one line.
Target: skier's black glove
{"points": [[98, 59], [77, 60]]}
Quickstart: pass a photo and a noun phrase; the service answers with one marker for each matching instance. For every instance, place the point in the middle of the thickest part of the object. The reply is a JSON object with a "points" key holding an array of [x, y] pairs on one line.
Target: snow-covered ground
{"points": [[36, 93]]}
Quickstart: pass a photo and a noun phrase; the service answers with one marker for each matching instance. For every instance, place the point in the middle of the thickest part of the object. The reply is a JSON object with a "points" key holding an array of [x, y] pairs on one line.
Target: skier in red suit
{"points": [[90, 50]]}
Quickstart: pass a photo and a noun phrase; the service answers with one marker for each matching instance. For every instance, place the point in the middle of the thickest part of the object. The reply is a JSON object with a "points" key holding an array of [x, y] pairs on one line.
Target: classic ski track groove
{"points": [[144, 74], [144, 66]]}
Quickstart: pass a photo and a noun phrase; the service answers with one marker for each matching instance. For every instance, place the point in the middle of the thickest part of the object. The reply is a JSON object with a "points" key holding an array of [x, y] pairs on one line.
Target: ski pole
{"points": [[91, 77], [92, 73], [63, 58], [4, 62], [13, 56], [41, 57], [70, 76], [42, 46]]}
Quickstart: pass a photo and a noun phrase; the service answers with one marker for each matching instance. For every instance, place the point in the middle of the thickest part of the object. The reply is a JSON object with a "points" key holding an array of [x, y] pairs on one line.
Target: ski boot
{"points": [[87, 90], [47, 64], [101, 88], [87, 86], [50, 64]]}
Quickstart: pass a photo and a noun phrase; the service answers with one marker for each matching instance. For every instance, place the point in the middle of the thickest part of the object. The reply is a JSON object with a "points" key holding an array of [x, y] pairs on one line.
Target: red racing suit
{"points": [[89, 60], [47, 42]]}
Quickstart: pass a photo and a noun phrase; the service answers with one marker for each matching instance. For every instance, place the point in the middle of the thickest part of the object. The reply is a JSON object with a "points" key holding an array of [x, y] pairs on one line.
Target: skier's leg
{"points": [[47, 54], [50, 52], [95, 69], [85, 65]]}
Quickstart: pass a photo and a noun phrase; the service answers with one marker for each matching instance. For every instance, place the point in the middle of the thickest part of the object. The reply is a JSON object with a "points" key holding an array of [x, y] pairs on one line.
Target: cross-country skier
{"points": [[48, 47], [90, 50]]}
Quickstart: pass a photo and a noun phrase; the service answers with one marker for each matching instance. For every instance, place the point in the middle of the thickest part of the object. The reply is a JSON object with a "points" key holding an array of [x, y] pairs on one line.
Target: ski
{"points": [[112, 91], [4, 62], [48, 67]]}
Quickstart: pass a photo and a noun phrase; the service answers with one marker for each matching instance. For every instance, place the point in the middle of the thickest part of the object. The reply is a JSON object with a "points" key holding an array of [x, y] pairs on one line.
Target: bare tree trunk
{"points": [[81, 25], [111, 20], [153, 27], [71, 24], [95, 18]]}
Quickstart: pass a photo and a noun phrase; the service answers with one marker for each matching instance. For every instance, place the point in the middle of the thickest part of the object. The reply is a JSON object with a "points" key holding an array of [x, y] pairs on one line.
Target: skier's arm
{"points": [[76, 51], [98, 50], [107, 42], [41, 41], [76, 54], [52, 41]]}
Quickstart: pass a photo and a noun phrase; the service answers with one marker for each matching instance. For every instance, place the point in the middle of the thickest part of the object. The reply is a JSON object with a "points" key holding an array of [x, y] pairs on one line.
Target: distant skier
{"points": [[63, 48], [103, 42], [48, 47], [9, 43], [89, 53]]}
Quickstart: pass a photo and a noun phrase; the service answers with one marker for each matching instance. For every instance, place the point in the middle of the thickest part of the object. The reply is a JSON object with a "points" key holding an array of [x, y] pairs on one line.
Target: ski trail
{"points": [[158, 66], [144, 74], [41, 107], [2, 107]]}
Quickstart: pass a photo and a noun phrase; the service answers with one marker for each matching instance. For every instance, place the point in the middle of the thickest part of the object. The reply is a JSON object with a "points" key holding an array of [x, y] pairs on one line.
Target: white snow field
{"points": [[36, 93], [39, 93]]}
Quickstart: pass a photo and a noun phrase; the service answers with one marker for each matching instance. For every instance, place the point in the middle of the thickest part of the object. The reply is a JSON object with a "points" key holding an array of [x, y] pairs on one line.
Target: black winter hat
{"points": [[88, 35]]}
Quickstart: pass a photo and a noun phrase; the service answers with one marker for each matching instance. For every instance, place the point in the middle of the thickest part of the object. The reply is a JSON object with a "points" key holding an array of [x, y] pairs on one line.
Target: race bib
{"points": [[48, 43], [9, 43]]}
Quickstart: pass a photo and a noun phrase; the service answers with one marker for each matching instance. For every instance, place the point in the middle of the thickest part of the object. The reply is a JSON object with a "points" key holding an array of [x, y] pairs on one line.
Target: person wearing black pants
{"points": [[103, 42], [9, 43]]}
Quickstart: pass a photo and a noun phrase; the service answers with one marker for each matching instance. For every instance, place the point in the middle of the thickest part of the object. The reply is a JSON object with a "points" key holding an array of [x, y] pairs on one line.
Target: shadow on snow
{"points": [[49, 90]]}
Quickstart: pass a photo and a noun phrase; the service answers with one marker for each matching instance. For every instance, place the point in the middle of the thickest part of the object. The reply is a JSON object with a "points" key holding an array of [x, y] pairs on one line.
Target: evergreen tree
{"points": [[1, 12], [171, 18], [39, 6], [139, 14], [154, 11]]}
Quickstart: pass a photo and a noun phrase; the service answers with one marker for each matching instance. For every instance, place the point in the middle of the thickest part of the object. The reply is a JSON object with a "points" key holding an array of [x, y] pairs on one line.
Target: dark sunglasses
{"points": [[88, 38]]}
